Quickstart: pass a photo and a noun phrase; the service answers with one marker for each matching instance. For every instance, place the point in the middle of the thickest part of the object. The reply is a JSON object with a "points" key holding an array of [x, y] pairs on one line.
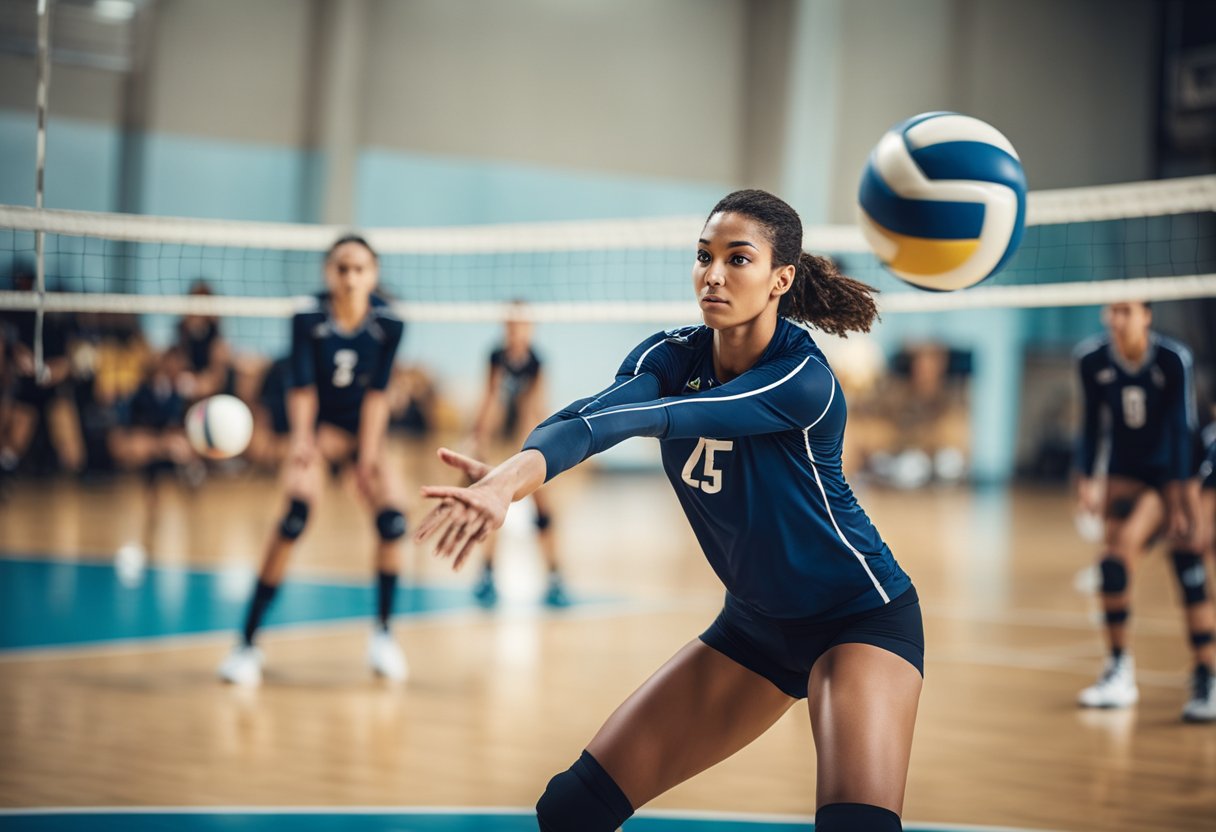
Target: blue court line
{"points": [[383, 819], [54, 603]]}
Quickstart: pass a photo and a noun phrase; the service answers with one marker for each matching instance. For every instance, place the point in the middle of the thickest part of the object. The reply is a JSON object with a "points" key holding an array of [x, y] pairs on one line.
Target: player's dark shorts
{"points": [[1154, 478], [27, 391], [348, 422], [1210, 480], [783, 650]]}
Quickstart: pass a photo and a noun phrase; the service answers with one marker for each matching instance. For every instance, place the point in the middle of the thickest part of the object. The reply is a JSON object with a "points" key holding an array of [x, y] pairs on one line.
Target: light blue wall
{"points": [[81, 162]]}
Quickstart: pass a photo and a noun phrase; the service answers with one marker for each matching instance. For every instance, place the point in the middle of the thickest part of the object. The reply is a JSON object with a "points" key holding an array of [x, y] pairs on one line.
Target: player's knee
{"points": [[583, 798], [856, 817], [1202, 639], [1114, 575], [1117, 616], [543, 520], [390, 524], [1120, 508], [1192, 577], [295, 520]]}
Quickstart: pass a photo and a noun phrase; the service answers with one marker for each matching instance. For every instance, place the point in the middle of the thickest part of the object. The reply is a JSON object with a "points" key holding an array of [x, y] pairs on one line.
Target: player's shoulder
{"points": [[1172, 350], [1092, 349]]}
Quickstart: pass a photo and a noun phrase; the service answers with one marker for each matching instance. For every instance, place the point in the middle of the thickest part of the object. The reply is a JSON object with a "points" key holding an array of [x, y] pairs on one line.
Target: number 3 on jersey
{"points": [[344, 367], [712, 483]]}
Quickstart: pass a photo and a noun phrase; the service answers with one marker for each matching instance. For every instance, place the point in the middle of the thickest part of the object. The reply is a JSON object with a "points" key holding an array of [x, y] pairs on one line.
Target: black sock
{"points": [[263, 594], [386, 590], [1116, 653]]}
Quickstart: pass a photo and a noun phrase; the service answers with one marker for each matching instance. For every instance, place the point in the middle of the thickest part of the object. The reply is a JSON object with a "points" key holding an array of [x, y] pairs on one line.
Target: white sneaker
{"points": [[243, 666], [1202, 707], [385, 657], [1115, 688]]}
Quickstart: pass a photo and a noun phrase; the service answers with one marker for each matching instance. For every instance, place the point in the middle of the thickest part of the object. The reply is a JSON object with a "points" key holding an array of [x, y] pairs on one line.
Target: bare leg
{"points": [[301, 482], [544, 534], [697, 710], [64, 426], [863, 702], [1126, 538]]}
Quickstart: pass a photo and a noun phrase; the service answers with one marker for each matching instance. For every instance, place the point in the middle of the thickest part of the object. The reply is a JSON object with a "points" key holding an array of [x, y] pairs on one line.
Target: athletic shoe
{"points": [[484, 592], [556, 595], [385, 657], [1202, 707], [243, 666], [1115, 688]]}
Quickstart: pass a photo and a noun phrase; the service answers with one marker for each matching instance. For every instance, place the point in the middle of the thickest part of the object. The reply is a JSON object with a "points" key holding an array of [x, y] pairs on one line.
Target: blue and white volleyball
{"points": [[943, 201], [219, 427]]}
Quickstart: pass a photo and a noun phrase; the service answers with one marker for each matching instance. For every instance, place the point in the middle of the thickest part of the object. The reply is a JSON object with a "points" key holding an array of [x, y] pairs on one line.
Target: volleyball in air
{"points": [[943, 201], [219, 427]]}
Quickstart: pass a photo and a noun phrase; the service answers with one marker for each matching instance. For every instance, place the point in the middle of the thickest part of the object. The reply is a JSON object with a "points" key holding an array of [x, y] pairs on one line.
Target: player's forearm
{"points": [[302, 413], [519, 476]]}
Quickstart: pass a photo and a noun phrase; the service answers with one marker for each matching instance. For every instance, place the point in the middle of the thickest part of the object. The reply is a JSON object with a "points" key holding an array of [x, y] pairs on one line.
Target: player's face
{"points": [[351, 272], [518, 335], [1127, 322], [733, 276]]}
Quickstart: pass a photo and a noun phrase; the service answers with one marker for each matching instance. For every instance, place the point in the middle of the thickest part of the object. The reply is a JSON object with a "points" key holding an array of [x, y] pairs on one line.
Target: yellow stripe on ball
{"points": [[917, 255]]}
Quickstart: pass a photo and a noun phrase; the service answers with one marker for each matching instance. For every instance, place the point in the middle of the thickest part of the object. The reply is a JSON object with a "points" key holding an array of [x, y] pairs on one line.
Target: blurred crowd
{"points": [[107, 400]]}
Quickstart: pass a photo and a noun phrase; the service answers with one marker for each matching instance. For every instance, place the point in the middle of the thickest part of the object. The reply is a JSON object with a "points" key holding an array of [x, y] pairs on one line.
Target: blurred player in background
{"points": [[512, 405], [342, 356], [37, 392], [152, 439], [207, 353], [750, 421], [1139, 399]]}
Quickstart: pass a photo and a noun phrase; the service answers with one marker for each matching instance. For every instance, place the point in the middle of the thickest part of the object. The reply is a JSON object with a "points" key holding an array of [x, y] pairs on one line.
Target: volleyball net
{"points": [[1150, 240]]}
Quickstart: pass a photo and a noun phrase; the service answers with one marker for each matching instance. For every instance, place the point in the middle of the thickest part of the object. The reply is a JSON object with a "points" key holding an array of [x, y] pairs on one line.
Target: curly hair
{"points": [[820, 296]]}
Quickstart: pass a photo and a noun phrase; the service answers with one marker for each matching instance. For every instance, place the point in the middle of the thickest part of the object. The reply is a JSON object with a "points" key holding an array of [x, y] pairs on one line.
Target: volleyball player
{"points": [[750, 420], [342, 355], [510, 408], [1139, 397], [206, 350], [1202, 707]]}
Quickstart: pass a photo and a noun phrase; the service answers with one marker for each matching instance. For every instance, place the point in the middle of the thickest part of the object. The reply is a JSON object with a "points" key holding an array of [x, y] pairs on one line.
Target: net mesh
{"points": [[1153, 240]]}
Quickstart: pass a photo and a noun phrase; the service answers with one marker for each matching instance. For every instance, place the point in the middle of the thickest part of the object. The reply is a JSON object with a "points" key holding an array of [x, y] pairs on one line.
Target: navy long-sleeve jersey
{"points": [[755, 463], [343, 365], [1146, 413]]}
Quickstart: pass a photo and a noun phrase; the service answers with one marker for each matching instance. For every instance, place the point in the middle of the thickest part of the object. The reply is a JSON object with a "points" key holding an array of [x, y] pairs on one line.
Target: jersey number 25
{"points": [[712, 483]]}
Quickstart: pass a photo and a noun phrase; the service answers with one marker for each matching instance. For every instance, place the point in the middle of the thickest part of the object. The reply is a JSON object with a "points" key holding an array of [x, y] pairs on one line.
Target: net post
{"points": [[44, 80]]}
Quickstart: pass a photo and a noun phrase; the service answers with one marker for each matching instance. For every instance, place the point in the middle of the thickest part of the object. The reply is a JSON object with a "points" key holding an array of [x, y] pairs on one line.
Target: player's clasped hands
{"points": [[464, 516]]}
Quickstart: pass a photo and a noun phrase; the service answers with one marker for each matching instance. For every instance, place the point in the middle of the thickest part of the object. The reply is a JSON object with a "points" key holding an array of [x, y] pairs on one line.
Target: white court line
{"points": [[674, 814], [589, 610]]}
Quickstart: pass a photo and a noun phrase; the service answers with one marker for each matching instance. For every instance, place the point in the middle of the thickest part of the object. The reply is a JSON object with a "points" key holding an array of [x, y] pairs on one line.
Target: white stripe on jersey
{"points": [[806, 437], [705, 399], [1188, 382], [831, 396], [608, 392], [642, 358]]}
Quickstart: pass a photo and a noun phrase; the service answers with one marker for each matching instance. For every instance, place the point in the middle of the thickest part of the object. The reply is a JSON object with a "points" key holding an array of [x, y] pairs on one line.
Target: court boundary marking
{"points": [[406, 811]]}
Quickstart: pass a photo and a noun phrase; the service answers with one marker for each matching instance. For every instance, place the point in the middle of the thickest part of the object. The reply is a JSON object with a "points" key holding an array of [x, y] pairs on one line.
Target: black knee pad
{"points": [[1201, 639], [543, 520], [390, 523], [856, 817], [1114, 575], [583, 798], [1117, 616], [294, 521], [1192, 577], [1120, 508]]}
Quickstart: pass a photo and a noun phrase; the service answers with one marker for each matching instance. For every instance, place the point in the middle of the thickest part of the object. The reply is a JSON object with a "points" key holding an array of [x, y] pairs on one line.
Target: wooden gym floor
{"points": [[104, 706]]}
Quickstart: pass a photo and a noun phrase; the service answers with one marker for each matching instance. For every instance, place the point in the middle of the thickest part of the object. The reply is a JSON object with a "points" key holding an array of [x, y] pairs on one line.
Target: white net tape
{"points": [[1140, 261]]}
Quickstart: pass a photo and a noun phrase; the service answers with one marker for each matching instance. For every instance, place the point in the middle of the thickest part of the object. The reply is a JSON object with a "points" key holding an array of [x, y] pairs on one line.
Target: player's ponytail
{"points": [[820, 295], [828, 300]]}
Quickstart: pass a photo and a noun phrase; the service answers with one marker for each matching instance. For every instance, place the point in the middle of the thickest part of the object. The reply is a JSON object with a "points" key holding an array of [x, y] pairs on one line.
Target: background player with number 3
{"points": [[342, 357]]}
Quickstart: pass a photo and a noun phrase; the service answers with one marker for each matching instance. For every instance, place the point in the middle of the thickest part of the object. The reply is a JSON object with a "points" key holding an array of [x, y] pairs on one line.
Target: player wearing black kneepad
{"points": [[343, 348], [1138, 400]]}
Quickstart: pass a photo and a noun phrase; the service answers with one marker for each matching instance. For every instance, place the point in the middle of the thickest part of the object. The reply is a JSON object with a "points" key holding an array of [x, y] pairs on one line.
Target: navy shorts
{"points": [[783, 650]]}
